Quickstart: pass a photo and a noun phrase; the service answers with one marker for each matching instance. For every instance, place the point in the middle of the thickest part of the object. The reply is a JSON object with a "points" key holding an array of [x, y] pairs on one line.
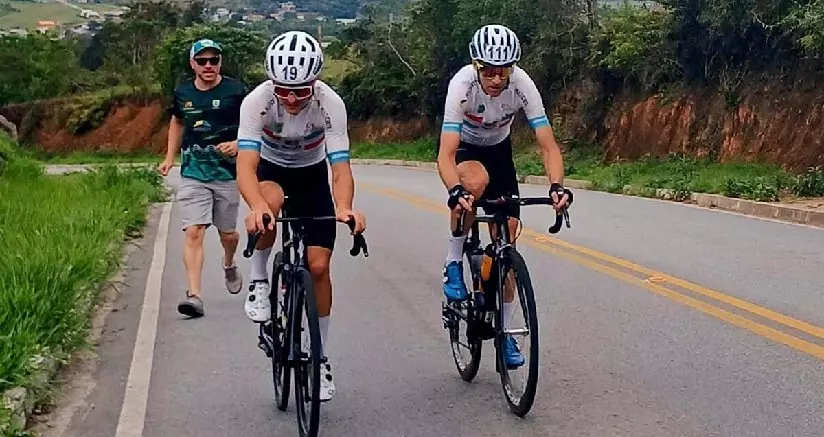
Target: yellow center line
{"points": [[651, 282], [704, 291]]}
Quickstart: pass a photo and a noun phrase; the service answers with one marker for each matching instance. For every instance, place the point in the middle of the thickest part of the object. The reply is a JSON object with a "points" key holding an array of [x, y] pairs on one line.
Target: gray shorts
{"points": [[207, 203]]}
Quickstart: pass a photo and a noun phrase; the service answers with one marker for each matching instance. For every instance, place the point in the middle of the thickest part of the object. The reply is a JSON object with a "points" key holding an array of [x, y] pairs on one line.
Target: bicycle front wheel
{"points": [[279, 324], [519, 384], [308, 348]]}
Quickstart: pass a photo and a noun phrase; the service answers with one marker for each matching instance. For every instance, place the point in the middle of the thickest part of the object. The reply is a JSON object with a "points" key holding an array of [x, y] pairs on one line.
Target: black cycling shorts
{"points": [[499, 164], [309, 196]]}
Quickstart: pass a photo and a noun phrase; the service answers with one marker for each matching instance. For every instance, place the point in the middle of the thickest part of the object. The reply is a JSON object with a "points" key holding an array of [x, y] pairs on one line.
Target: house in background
{"points": [[44, 26]]}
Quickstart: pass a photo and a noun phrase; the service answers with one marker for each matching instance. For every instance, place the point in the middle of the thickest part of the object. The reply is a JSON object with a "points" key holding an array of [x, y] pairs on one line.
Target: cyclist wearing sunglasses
{"points": [[290, 126], [475, 150], [204, 123]]}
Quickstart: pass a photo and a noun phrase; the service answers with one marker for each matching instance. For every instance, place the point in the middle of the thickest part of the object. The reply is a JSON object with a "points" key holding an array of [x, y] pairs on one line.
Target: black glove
{"points": [[560, 190], [455, 194]]}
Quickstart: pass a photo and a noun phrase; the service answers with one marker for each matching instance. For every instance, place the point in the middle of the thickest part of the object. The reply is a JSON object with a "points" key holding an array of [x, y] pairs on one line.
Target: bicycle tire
{"points": [[513, 260], [307, 372], [281, 376], [469, 370]]}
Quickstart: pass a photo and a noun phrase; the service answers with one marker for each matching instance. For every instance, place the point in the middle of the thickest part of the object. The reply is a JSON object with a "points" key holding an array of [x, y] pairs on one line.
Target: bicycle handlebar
{"points": [[560, 217], [359, 239]]}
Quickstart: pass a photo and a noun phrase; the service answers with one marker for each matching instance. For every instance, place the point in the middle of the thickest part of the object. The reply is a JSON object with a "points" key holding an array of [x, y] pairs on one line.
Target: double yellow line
{"points": [[679, 290]]}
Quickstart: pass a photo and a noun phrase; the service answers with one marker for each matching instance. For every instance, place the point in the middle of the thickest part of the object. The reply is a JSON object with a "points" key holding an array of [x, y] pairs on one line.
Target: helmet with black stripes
{"points": [[495, 44], [293, 58]]}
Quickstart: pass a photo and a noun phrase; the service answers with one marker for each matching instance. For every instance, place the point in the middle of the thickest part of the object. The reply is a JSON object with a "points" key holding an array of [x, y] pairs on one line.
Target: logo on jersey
{"points": [[481, 108], [216, 103], [268, 106], [522, 96], [187, 105], [202, 126]]}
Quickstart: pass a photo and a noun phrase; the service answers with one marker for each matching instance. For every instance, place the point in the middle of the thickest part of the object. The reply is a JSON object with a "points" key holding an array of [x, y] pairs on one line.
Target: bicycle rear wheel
{"points": [[280, 332], [307, 367], [513, 263]]}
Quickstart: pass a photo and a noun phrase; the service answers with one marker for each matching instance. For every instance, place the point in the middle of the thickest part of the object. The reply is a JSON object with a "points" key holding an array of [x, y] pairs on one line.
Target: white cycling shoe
{"points": [[257, 304], [327, 384]]}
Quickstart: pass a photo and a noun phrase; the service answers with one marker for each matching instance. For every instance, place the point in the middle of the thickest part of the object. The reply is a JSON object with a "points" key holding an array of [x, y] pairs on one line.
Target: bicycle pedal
{"points": [[265, 348]]}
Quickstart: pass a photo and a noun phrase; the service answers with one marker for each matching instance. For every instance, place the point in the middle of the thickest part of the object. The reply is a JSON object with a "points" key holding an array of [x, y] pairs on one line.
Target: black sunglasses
{"points": [[214, 60]]}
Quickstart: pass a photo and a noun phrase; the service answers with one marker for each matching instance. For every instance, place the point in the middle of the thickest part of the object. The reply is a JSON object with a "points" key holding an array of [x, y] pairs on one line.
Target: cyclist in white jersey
{"points": [[475, 151], [295, 123]]}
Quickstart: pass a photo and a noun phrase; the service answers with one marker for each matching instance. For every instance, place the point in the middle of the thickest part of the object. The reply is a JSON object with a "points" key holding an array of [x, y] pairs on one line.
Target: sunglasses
{"points": [[300, 92], [490, 71], [214, 60]]}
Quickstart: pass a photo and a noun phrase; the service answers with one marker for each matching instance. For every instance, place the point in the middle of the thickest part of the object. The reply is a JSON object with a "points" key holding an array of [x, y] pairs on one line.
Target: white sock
{"points": [[455, 249], [323, 322], [260, 261], [509, 313]]}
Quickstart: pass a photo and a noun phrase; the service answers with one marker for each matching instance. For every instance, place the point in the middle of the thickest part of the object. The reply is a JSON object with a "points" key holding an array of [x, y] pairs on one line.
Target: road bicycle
{"points": [[280, 337], [483, 310]]}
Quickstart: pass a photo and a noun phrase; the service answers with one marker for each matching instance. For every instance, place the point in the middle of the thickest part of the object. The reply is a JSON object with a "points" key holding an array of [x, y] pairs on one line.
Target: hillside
{"points": [[27, 14]]}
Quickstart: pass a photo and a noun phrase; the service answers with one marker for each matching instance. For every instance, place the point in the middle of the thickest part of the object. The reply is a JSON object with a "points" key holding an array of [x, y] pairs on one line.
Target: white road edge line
{"points": [[133, 411]]}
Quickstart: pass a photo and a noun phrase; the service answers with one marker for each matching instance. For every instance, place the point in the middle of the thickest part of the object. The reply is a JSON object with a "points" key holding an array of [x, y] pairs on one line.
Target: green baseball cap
{"points": [[203, 44]]}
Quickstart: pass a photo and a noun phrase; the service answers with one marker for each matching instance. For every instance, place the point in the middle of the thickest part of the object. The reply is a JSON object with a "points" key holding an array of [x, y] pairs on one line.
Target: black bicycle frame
{"points": [[292, 240], [503, 239]]}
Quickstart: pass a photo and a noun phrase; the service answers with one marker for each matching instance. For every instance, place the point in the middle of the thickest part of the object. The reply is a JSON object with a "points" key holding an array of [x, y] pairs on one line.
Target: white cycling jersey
{"points": [[484, 120], [316, 133]]}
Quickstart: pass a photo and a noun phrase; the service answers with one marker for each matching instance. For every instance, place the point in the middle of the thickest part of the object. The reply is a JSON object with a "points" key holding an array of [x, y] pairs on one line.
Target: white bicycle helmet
{"points": [[495, 44], [293, 58]]}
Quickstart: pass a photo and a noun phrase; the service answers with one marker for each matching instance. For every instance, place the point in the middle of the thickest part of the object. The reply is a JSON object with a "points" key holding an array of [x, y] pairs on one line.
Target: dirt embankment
{"points": [[779, 122], [132, 127]]}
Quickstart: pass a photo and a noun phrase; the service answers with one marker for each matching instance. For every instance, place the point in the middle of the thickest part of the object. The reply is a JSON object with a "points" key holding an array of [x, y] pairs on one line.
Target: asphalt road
{"points": [[656, 319]]}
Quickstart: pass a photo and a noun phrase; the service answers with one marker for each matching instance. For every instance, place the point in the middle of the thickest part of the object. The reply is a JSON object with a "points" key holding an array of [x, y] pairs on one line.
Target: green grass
{"points": [[421, 150], [61, 238], [683, 174]]}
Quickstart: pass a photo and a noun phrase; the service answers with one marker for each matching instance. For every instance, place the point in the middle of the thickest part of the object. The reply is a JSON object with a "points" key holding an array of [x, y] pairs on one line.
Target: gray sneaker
{"points": [[234, 281], [192, 306]]}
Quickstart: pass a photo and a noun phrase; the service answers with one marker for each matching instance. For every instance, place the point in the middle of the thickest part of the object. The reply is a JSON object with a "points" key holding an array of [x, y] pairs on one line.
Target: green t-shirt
{"points": [[209, 118]]}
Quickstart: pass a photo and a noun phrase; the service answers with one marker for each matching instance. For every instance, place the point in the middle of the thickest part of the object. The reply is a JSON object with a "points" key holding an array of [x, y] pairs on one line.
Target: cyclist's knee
{"points": [[473, 176], [318, 264], [273, 194]]}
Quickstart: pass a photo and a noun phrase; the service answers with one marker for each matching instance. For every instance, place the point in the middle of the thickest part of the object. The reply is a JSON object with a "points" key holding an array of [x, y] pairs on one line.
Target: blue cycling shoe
{"points": [[453, 282], [512, 354]]}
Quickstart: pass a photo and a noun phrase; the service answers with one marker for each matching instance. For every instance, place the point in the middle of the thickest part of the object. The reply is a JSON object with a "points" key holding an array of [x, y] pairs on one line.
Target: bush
{"points": [[757, 189], [632, 43], [811, 183]]}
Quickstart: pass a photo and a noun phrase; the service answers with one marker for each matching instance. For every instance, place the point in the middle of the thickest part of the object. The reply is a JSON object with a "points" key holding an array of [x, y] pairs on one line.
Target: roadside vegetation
{"points": [[680, 173], [61, 237]]}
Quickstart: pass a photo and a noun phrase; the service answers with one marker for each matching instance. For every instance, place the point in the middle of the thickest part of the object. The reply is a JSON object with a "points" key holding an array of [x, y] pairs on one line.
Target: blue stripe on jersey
{"points": [[248, 145], [339, 156], [537, 122], [451, 127]]}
